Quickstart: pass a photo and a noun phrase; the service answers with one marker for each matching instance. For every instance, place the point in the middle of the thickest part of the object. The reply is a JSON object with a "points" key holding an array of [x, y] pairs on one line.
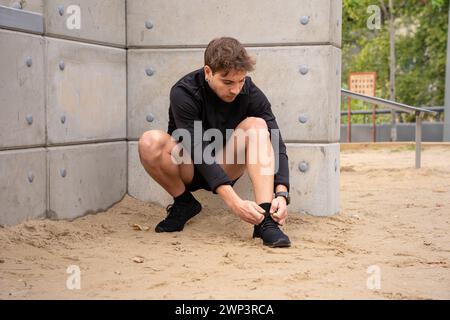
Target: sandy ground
{"points": [[393, 227]]}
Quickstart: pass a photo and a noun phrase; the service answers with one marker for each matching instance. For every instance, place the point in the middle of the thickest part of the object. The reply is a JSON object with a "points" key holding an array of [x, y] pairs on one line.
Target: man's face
{"points": [[226, 87]]}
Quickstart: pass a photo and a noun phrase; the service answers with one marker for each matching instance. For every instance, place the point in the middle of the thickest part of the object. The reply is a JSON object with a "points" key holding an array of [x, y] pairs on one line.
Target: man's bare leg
{"points": [[155, 151], [155, 147], [257, 152], [260, 162]]}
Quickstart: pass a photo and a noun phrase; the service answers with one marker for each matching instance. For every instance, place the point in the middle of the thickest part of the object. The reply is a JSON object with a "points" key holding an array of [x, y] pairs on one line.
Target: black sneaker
{"points": [[271, 234], [177, 215]]}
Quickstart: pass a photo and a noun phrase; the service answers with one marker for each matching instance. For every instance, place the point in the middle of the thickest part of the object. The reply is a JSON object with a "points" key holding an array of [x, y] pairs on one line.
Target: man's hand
{"points": [[249, 211], [278, 210]]}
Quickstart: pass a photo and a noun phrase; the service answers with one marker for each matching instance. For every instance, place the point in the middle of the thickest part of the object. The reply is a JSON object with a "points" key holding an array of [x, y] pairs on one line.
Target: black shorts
{"points": [[198, 182]]}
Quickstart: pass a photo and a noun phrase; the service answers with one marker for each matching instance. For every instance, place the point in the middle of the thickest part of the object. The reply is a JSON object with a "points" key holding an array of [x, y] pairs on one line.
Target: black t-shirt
{"points": [[191, 99]]}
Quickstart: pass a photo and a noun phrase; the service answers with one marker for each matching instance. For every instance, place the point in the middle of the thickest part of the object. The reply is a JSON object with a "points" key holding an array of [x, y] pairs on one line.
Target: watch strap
{"points": [[284, 194]]}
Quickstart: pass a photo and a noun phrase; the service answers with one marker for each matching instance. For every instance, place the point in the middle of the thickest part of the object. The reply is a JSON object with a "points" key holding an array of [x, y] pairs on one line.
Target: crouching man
{"points": [[220, 100]]}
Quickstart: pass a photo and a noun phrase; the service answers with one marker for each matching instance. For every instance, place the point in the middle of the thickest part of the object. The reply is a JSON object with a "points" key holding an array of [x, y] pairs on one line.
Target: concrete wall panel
{"points": [[196, 22], [148, 96], [86, 178], [23, 185], [22, 91], [28, 5], [86, 92], [21, 20], [101, 21], [303, 86], [140, 185], [302, 83], [315, 191], [335, 22]]}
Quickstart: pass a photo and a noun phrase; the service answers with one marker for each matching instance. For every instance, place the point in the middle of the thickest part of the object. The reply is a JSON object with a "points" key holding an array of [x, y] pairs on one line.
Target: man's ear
{"points": [[208, 71]]}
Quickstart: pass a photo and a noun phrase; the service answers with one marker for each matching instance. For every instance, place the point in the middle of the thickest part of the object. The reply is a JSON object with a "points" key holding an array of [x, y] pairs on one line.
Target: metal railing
{"points": [[419, 112], [385, 111]]}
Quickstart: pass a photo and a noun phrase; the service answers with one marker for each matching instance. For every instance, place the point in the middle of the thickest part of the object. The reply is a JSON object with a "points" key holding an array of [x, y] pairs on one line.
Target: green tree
{"points": [[420, 43]]}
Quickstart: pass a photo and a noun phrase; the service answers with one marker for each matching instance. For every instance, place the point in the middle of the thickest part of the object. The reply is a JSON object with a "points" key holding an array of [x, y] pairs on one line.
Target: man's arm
{"points": [[229, 196], [185, 112]]}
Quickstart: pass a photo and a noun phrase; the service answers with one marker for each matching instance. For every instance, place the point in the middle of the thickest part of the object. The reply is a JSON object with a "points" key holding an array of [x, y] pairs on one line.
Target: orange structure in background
{"points": [[363, 83]]}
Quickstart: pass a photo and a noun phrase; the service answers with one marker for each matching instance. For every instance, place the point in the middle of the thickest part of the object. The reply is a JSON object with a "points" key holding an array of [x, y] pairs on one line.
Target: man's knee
{"points": [[151, 144], [255, 123]]}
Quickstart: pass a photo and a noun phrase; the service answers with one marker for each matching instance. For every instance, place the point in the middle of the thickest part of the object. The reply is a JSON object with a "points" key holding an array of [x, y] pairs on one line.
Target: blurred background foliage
{"points": [[420, 49]]}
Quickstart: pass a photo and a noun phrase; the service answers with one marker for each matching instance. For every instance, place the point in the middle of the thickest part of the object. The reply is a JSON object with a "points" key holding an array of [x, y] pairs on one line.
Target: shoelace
{"points": [[171, 213], [269, 223]]}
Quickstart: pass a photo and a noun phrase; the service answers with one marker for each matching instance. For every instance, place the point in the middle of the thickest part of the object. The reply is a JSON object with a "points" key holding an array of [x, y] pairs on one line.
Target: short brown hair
{"points": [[226, 54]]}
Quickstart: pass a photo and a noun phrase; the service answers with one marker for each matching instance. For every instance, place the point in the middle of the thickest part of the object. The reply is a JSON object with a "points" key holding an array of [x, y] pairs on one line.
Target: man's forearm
{"points": [[227, 193], [230, 197]]}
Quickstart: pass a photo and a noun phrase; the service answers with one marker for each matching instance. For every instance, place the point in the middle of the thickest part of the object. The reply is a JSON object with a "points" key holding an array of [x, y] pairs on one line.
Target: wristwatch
{"points": [[285, 195]]}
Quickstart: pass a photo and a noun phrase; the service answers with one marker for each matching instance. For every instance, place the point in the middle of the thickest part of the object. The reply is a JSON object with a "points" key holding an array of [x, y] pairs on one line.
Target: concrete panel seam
{"points": [[84, 41], [126, 168], [77, 143], [309, 141], [249, 45], [126, 23], [85, 144], [46, 89], [31, 146], [126, 94], [47, 177]]}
